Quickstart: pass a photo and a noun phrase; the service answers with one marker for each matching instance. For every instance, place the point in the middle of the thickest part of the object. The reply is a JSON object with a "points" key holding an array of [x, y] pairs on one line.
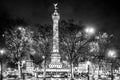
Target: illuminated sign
{"points": [[55, 66]]}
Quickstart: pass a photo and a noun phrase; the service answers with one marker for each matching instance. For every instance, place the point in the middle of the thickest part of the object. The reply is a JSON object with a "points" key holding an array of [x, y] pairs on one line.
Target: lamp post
{"points": [[90, 31], [22, 32], [2, 51], [112, 54]]}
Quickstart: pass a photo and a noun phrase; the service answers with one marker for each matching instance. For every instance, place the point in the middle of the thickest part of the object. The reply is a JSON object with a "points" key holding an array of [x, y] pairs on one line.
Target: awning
{"points": [[56, 70]]}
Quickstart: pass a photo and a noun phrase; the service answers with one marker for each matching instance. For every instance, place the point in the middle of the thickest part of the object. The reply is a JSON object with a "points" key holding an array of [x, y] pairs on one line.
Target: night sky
{"points": [[103, 15]]}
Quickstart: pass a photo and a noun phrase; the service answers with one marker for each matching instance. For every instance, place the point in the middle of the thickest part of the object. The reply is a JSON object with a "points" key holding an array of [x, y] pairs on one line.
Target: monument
{"points": [[55, 56], [54, 68]]}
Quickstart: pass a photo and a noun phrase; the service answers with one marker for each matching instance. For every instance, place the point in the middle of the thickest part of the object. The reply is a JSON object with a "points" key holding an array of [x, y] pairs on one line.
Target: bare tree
{"points": [[77, 46], [45, 45], [19, 41]]}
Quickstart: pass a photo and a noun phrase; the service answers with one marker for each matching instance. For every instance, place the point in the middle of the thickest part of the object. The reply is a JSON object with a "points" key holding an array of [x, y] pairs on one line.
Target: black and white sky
{"points": [[103, 14]]}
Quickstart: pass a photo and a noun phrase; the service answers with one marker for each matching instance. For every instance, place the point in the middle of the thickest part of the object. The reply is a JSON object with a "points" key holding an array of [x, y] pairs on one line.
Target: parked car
{"points": [[12, 77]]}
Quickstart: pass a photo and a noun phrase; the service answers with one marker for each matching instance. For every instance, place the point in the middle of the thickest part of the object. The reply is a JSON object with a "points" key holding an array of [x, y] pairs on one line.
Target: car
{"points": [[12, 77]]}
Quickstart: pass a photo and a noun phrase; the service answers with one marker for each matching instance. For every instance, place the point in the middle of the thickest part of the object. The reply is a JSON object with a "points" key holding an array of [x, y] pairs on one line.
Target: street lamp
{"points": [[89, 30], [112, 54], [2, 51], [20, 28], [88, 63]]}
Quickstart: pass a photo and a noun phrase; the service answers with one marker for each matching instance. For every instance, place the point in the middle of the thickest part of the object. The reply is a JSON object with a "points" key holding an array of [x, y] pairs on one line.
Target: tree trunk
{"points": [[98, 70], [45, 70], [1, 71], [71, 70], [19, 70], [112, 76]]}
